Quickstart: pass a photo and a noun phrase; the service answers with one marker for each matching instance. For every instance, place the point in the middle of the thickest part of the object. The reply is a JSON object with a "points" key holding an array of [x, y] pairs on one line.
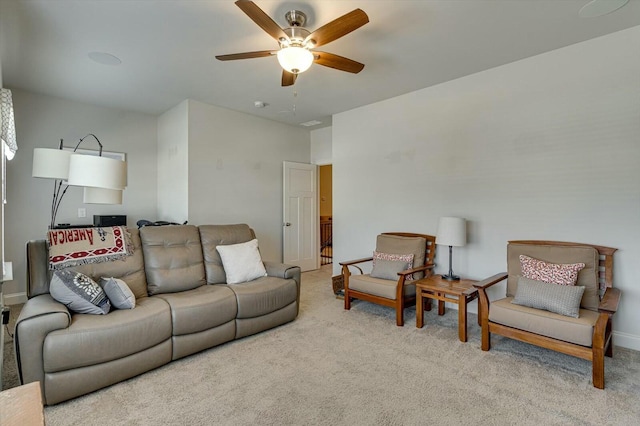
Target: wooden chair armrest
{"points": [[418, 269], [353, 262], [486, 283], [610, 300]]}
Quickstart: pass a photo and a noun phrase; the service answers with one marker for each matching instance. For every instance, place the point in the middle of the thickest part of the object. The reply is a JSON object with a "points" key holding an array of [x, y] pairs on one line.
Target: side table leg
{"points": [[419, 309], [440, 304], [462, 318]]}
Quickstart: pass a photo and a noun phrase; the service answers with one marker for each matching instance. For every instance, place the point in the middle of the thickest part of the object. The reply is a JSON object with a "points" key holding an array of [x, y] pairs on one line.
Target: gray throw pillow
{"points": [[560, 299], [118, 292], [388, 269], [78, 292]]}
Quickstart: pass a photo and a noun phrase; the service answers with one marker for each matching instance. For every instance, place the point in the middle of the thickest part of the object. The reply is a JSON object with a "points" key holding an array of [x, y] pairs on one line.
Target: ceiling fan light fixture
{"points": [[295, 59]]}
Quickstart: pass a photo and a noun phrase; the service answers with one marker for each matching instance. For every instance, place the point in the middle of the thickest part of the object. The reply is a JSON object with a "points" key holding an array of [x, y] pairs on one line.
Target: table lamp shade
{"points": [[51, 163], [452, 231], [98, 172], [102, 196]]}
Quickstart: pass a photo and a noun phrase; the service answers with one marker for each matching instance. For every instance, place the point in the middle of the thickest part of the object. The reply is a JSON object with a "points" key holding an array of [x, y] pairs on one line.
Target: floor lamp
{"points": [[103, 178], [452, 232]]}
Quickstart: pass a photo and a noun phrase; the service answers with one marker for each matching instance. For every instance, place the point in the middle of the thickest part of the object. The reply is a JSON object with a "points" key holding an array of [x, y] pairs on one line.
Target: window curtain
{"points": [[8, 127]]}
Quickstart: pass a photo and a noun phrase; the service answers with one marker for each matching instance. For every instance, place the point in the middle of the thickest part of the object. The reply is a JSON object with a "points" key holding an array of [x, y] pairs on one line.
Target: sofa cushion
{"points": [[587, 277], [200, 309], [573, 330], [101, 338], [79, 293], [130, 269], [264, 295], [213, 235], [553, 273], [378, 287], [118, 292], [561, 299], [173, 258], [403, 245], [241, 262]]}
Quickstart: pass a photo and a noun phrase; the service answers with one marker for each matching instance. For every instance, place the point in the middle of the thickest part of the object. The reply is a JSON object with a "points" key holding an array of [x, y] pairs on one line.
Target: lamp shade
{"points": [[452, 231], [295, 59], [102, 196], [50, 163], [98, 172]]}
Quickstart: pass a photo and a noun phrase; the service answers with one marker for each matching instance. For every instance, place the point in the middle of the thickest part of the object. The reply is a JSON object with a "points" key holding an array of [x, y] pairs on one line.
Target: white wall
{"points": [[543, 148], [173, 164], [321, 146], [235, 170], [40, 123]]}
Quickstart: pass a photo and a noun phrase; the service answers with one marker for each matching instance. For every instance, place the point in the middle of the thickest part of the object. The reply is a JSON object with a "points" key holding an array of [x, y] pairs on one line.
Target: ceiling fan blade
{"points": [[288, 78], [337, 62], [338, 27], [263, 20], [246, 55]]}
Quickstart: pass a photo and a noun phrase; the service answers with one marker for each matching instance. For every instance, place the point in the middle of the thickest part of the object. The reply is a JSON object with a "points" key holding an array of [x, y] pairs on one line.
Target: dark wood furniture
{"points": [[401, 299], [602, 344], [459, 292]]}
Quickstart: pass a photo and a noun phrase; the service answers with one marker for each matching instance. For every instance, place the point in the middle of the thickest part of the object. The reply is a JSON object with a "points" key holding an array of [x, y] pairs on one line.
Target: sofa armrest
{"points": [[610, 300], [40, 316], [288, 272]]}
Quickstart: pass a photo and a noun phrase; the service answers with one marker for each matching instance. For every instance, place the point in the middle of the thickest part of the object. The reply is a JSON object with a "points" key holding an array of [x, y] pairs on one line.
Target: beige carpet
{"points": [[337, 367]]}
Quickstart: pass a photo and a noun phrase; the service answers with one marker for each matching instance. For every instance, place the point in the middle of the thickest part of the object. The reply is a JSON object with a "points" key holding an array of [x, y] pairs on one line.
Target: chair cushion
{"points": [[386, 265], [561, 299], [200, 309], [264, 295], [554, 273], [378, 287], [403, 245], [587, 277], [573, 330], [95, 339]]}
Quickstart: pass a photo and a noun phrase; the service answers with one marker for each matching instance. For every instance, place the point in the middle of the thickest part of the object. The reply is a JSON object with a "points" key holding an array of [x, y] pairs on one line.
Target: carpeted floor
{"points": [[337, 367]]}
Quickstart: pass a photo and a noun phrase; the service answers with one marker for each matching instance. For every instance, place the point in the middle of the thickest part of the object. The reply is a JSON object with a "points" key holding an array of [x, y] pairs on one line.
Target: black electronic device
{"points": [[114, 220]]}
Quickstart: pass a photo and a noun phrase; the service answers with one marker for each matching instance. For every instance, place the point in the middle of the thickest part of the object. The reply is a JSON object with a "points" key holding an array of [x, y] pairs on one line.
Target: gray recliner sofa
{"points": [[183, 306]]}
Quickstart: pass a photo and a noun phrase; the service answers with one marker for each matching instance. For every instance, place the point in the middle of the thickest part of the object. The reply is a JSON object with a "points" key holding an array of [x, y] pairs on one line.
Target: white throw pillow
{"points": [[242, 262]]}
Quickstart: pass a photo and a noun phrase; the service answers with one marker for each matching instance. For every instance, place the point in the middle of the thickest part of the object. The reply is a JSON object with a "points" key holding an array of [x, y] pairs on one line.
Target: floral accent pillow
{"points": [[406, 258], [553, 273]]}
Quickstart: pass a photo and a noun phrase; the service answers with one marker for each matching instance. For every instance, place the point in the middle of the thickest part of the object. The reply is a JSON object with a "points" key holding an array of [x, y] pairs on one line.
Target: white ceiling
{"points": [[167, 49]]}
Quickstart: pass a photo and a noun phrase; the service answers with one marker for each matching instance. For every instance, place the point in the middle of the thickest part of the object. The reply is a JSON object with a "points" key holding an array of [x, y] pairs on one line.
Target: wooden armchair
{"points": [[588, 336], [392, 281]]}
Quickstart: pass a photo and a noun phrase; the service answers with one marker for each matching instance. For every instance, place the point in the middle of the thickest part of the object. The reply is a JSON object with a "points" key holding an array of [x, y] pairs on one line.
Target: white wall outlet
{"points": [[82, 212]]}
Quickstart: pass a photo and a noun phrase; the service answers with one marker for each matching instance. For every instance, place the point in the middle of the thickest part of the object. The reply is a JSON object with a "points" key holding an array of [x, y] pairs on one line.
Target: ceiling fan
{"points": [[296, 42]]}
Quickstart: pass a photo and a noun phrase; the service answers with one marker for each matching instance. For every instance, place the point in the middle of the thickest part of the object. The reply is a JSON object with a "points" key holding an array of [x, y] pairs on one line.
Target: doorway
{"points": [[326, 214]]}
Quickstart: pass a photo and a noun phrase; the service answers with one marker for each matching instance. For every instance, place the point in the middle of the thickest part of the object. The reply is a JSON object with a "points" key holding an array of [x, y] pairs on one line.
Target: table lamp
{"points": [[452, 231]]}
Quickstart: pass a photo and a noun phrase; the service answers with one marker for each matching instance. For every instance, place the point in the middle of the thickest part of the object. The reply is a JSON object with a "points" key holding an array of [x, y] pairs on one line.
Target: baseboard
{"points": [[626, 340], [14, 298]]}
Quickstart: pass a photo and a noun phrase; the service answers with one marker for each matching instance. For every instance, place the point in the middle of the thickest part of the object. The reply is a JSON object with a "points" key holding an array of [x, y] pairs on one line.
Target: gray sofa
{"points": [[183, 306]]}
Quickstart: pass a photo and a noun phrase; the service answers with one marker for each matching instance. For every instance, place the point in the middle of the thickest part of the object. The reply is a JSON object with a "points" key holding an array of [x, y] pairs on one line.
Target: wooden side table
{"points": [[459, 292]]}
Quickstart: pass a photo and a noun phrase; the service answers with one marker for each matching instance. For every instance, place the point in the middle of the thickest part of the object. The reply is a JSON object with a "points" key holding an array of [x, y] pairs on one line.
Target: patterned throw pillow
{"points": [[560, 299], [381, 269], [79, 293], [553, 273]]}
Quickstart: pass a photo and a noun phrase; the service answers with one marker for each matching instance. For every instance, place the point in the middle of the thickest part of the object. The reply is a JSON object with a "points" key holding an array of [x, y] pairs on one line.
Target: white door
{"points": [[300, 224]]}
